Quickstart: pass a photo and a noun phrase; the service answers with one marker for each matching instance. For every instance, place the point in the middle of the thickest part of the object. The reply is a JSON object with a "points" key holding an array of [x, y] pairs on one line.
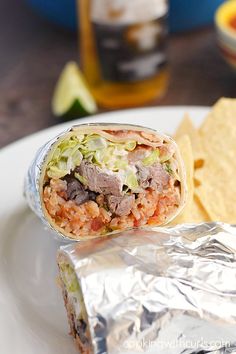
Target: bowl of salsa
{"points": [[225, 20]]}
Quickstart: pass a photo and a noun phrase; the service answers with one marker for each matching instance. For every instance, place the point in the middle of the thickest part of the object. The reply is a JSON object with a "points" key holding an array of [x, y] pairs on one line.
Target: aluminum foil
{"points": [[32, 179], [31, 184], [170, 290]]}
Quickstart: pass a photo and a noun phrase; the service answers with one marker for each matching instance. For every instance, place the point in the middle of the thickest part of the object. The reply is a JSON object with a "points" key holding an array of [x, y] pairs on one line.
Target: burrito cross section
{"points": [[98, 179]]}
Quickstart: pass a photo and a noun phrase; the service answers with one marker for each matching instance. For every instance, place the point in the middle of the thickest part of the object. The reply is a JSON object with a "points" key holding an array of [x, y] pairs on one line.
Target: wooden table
{"points": [[33, 52]]}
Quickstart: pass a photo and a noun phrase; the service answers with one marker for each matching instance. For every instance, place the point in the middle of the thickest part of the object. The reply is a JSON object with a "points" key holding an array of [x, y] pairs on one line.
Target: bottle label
{"points": [[130, 38]]}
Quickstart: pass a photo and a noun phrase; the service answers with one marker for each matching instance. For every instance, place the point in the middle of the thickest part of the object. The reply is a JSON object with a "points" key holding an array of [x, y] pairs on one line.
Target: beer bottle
{"points": [[123, 50]]}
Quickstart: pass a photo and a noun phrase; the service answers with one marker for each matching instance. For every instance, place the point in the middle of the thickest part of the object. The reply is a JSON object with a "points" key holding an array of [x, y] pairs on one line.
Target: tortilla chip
{"points": [[185, 147], [186, 127], [197, 213], [217, 191]]}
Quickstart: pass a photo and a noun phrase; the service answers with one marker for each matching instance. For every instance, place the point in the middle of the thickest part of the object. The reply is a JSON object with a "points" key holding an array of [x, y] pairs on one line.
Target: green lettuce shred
{"points": [[91, 147], [131, 180], [168, 168], [151, 158], [69, 278], [105, 154], [65, 158], [82, 179]]}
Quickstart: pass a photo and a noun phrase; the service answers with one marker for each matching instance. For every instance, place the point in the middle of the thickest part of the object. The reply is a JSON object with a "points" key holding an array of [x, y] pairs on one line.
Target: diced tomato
{"points": [[157, 211], [136, 223], [153, 220], [97, 224]]}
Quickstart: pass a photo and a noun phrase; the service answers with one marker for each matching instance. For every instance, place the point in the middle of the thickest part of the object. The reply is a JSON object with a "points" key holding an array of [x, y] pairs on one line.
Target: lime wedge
{"points": [[71, 96]]}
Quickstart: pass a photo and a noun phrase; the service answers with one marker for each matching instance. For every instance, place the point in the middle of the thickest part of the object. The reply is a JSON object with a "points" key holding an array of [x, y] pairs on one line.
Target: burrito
{"points": [[152, 291], [97, 179]]}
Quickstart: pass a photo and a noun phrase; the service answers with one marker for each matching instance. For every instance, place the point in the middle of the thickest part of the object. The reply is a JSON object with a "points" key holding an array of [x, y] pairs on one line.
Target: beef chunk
{"points": [[120, 205], [153, 176], [75, 191], [100, 181]]}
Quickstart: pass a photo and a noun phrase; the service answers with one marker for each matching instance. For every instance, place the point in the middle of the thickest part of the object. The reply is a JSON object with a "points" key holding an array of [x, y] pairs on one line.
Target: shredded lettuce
{"points": [[82, 179], [99, 156], [96, 143], [131, 180], [69, 278], [121, 164], [96, 149], [77, 157], [151, 158], [65, 158], [80, 137], [66, 144], [57, 154], [130, 145], [55, 172], [167, 152], [73, 289], [74, 286], [168, 168], [113, 157]]}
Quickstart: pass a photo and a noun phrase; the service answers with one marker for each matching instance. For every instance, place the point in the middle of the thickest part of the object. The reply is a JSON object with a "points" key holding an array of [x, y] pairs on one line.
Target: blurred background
{"points": [[38, 37]]}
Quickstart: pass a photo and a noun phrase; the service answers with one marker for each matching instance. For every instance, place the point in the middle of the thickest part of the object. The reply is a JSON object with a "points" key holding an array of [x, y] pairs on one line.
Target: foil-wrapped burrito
{"points": [[97, 179], [165, 291]]}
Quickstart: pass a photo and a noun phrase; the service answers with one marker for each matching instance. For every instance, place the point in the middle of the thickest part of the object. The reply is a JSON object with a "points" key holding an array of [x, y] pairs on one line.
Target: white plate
{"points": [[32, 315]]}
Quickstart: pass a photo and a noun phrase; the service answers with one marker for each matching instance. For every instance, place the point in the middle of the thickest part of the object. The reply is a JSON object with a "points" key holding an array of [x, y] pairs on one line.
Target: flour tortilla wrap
{"points": [[97, 179]]}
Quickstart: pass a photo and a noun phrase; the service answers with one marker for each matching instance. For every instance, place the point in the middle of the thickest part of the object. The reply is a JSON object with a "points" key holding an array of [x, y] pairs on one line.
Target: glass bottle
{"points": [[123, 50]]}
